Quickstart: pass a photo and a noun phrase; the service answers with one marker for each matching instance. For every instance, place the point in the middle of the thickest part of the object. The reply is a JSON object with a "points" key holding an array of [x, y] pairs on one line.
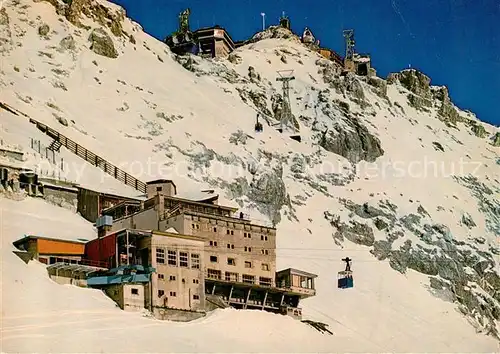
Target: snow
{"points": [[41, 316], [384, 312]]}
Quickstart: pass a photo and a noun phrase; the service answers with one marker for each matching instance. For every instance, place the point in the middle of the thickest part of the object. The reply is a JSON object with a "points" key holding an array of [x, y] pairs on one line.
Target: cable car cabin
{"points": [[345, 280]]}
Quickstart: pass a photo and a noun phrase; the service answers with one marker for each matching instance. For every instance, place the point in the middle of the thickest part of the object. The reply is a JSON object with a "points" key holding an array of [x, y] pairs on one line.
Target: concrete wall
{"points": [[62, 280], [167, 189], [16, 155], [66, 199], [221, 49], [177, 315], [146, 220], [131, 301], [180, 285], [122, 295], [238, 234]]}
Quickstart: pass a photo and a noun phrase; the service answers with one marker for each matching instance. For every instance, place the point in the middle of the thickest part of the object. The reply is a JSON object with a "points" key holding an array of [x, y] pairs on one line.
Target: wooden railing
{"points": [[83, 153]]}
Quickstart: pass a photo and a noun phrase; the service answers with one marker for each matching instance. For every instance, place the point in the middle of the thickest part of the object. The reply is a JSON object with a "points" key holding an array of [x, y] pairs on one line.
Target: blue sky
{"points": [[455, 42]]}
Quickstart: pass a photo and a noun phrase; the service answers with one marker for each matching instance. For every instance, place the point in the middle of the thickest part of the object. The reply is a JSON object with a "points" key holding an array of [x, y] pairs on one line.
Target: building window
{"points": [[213, 243], [196, 297], [135, 291], [214, 274], [196, 281], [248, 249], [249, 279], [195, 261], [227, 232], [161, 293], [197, 227], [215, 229], [265, 267], [248, 264], [160, 256], [265, 281], [213, 259], [172, 257], [266, 252], [172, 277], [158, 189], [229, 276], [172, 293], [183, 259], [192, 225], [231, 261], [161, 276]]}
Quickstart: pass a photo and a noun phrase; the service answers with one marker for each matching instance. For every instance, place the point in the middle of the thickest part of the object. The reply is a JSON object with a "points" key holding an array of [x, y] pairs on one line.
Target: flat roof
{"points": [[176, 235], [297, 272], [224, 218], [161, 180], [216, 206], [104, 194]]}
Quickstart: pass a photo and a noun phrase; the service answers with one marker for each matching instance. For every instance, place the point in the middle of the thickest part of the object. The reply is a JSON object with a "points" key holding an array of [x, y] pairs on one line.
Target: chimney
{"points": [[104, 224]]}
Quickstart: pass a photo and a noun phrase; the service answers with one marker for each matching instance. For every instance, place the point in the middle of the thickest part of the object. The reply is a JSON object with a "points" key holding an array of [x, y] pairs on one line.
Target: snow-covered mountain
{"points": [[389, 172]]}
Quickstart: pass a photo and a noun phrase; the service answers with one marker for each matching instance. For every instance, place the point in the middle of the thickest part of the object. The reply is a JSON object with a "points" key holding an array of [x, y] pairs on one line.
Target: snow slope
{"points": [[147, 114]]}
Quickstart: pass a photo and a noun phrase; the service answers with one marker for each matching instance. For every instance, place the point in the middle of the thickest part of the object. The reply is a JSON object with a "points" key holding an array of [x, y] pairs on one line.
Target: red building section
{"points": [[102, 249]]}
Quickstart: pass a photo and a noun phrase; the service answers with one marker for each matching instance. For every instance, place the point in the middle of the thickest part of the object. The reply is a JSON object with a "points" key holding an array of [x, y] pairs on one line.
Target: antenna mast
{"points": [[286, 112], [263, 21], [349, 43]]}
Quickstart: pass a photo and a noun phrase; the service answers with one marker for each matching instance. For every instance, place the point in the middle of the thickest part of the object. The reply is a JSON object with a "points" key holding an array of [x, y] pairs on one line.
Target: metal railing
{"points": [[82, 152], [85, 262]]}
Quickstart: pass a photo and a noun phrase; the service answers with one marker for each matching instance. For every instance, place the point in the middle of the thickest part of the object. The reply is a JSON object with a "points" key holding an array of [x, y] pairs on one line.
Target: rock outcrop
{"points": [[102, 44], [355, 142], [268, 191]]}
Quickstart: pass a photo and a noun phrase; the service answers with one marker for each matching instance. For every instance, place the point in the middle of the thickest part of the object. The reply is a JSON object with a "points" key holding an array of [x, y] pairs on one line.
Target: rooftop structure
{"points": [[49, 250], [214, 41]]}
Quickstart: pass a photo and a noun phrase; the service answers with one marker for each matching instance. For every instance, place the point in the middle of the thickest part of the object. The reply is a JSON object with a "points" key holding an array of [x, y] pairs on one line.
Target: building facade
{"points": [[235, 249], [215, 42]]}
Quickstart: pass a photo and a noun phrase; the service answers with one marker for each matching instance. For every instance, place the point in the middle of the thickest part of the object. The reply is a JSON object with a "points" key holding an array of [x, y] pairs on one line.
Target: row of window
{"points": [[173, 260], [231, 246], [235, 277], [231, 232], [174, 294], [263, 230], [172, 278], [232, 262], [183, 259]]}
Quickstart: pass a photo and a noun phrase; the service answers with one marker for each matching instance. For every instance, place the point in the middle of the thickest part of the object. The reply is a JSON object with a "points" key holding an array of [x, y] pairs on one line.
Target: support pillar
{"points": [[264, 302], [213, 289], [282, 299], [230, 293], [248, 297]]}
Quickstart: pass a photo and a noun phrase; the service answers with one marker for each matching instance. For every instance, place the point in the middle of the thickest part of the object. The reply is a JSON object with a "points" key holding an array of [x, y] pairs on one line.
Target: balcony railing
{"points": [[86, 262]]}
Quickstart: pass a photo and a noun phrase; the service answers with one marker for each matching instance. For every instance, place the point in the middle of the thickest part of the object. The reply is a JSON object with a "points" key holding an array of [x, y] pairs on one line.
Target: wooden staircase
{"points": [[87, 155]]}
